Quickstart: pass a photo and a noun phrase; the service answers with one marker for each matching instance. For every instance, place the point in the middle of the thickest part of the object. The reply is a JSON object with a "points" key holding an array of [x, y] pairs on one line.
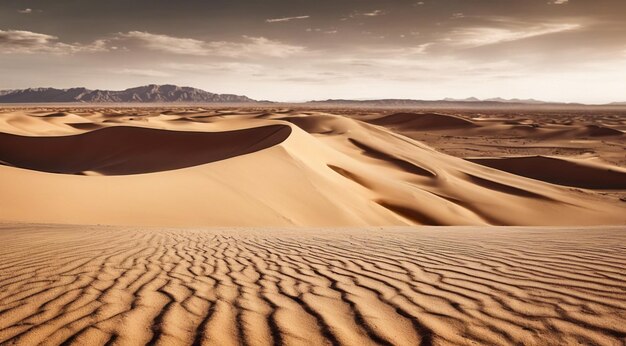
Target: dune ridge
{"points": [[63, 285], [251, 167]]}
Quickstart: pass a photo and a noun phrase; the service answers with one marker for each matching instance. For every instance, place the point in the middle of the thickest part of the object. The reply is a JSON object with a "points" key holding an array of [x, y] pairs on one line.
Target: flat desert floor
{"points": [[393, 286]]}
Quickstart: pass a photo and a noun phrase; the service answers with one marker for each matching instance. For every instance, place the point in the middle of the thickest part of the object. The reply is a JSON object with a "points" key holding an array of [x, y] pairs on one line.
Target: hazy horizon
{"points": [[293, 51]]}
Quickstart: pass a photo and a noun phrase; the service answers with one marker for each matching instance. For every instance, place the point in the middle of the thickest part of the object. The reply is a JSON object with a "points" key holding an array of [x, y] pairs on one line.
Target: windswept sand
{"points": [[294, 167], [87, 285], [266, 177]]}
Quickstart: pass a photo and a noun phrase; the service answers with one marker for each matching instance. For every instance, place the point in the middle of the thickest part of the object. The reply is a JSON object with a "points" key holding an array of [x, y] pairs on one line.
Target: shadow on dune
{"points": [[123, 150], [558, 171], [422, 121]]}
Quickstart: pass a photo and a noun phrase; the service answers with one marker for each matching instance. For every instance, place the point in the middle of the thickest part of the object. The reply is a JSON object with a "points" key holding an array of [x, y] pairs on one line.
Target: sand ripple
{"points": [[116, 286]]}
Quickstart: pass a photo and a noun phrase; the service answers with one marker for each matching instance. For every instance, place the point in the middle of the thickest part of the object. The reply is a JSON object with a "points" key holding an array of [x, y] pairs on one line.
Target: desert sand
{"points": [[298, 167], [88, 285], [294, 226]]}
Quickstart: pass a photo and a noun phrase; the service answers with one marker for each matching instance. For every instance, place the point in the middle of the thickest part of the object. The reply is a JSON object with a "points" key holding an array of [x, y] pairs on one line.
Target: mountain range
{"points": [[176, 94], [143, 94], [447, 102]]}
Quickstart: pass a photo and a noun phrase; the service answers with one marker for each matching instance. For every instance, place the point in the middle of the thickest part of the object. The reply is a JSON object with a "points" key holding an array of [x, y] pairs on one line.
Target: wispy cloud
{"points": [[27, 42], [286, 19], [214, 67], [142, 72], [25, 11], [484, 36], [374, 13], [165, 43], [250, 46], [323, 31], [558, 2]]}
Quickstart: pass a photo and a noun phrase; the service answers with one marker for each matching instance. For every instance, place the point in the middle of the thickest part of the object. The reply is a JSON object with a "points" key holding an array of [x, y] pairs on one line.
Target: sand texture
{"points": [[313, 168], [87, 285]]}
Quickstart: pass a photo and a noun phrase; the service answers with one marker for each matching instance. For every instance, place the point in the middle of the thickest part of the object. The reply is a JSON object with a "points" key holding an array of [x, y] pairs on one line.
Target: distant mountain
{"points": [[525, 101], [496, 99], [469, 99], [471, 102], [148, 94]]}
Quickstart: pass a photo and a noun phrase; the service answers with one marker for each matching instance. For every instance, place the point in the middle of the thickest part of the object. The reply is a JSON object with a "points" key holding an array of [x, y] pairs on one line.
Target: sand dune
{"points": [[600, 134], [267, 176], [272, 167], [79, 285]]}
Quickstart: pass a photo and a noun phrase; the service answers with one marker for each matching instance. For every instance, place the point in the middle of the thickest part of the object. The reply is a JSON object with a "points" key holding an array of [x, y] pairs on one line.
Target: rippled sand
{"points": [[104, 285]]}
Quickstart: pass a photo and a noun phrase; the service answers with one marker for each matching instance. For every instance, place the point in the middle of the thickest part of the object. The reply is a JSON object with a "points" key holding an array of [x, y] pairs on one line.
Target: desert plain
{"points": [[311, 225]]}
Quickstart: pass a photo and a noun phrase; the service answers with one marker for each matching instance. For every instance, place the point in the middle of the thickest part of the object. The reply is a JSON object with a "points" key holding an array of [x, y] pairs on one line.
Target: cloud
{"points": [[329, 32], [484, 36], [285, 19], [421, 49], [142, 72], [251, 46], [374, 13], [214, 67], [557, 2], [27, 42], [25, 11], [175, 45]]}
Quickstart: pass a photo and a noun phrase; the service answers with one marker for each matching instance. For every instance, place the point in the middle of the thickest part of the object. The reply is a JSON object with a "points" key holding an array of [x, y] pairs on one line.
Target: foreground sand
{"points": [[301, 167], [406, 286]]}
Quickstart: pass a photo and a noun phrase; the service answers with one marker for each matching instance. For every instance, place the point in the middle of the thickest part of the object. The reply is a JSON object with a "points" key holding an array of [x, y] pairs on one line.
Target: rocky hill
{"points": [[149, 93]]}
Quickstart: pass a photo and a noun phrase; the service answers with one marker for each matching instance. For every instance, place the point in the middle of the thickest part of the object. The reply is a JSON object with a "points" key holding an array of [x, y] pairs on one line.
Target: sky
{"points": [[297, 50]]}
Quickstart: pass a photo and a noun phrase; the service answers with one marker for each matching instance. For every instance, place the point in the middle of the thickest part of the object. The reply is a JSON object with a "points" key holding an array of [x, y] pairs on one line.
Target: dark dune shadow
{"points": [[508, 189], [558, 171], [412, 214], [86, 126], [51, 115], [422, 122], [122, 150], [397, 162]]}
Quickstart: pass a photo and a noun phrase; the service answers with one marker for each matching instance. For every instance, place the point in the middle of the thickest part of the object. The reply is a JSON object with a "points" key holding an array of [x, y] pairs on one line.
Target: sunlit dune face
{"points": [[292, 51], [308, 167]]}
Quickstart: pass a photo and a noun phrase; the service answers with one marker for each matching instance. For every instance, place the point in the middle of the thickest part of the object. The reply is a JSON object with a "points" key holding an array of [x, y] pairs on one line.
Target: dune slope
{"points": [[422, 121], [197, 167]]}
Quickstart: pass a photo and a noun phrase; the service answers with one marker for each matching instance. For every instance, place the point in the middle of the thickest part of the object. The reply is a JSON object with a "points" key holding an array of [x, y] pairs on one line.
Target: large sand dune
{"points": [[282, 167], [86, 285], [279, 172]]}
